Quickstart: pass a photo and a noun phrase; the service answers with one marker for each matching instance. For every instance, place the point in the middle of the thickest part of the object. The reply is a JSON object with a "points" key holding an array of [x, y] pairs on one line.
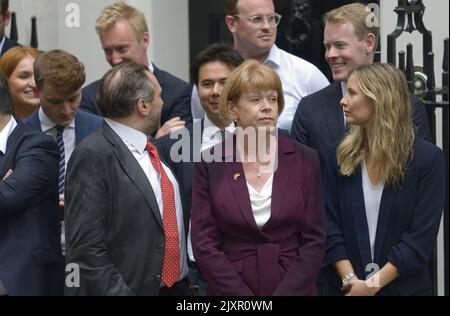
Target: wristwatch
{"points": [[347, 277]]}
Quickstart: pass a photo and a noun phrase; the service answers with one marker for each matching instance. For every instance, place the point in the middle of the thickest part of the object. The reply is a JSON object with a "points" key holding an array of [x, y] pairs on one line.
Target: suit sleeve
{"points": [[86, 216], [301, 276], [420, 119], [35, 175], [299, 131], [412, 253], [336, 248], [218, 271]]}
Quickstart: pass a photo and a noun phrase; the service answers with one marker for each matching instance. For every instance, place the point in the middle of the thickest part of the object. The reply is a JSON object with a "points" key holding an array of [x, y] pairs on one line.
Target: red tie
{"points": [[171, 264]]}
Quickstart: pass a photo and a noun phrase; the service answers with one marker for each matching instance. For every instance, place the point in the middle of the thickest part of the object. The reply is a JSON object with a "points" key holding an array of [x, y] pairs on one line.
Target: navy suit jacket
{"points": [[8, 44], [30, 251], [85, 124], [176, 95], [319, 120], [233, 254], [407, 229]]}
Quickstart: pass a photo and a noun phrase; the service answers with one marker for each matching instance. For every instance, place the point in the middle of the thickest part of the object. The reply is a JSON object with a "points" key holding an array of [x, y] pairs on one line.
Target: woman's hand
{"points": [[356, 287]]}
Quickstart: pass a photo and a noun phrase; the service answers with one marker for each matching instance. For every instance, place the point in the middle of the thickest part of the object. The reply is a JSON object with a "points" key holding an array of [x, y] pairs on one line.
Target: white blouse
{"points": [[261, 202]]}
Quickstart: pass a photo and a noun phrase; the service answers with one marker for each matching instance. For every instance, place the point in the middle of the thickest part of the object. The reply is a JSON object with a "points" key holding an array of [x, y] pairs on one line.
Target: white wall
{"points": [[167, 20]]}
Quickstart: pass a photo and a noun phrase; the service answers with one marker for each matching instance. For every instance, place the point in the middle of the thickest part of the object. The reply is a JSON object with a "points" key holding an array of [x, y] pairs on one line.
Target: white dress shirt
{"points": [[372, 201], [298, 77], [136, 142], [211, 133], [49, 128], [4, 134], [261, 202]]}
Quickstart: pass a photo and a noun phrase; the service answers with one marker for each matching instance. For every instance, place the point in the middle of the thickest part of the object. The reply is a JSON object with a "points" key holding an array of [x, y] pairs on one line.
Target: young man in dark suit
{"points": [[349, 41], [59, 77], [5, 17], [30, 252], [124, 36], [209, 72], [124, 220]]}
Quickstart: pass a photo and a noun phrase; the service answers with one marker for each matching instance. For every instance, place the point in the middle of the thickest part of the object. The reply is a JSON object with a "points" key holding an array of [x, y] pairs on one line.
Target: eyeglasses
{"points": [[258, 20]]}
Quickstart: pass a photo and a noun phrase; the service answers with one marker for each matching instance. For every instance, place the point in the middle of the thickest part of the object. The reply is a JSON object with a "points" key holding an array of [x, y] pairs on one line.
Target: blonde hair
{"points": [[250, 75], [389, 134], [120, 10], [355, 13]]}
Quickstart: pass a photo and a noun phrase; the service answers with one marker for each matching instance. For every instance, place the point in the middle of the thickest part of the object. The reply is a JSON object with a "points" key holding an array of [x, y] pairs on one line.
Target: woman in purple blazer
{"points": [[384, 192], [257, 208]]}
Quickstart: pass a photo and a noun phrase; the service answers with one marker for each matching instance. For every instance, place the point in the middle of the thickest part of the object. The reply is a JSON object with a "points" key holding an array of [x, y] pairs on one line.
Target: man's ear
{"points": [[6, 18], [371, 42], [143, 107], [230, 21], [146, 39]]}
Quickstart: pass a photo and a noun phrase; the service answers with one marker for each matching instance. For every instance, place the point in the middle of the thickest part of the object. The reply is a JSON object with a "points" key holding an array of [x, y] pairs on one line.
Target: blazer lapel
{"points": [[387, 200], [360, 219], [333, 114], [281, 178], [134, 171], [80, 131], [235, 176]]}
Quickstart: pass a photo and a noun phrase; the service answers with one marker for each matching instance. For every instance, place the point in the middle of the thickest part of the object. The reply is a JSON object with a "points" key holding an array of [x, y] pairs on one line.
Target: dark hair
{"points": [[215, 52], [4, 6], [5, 95], [122, 87], [60, 69], [231, 6]]}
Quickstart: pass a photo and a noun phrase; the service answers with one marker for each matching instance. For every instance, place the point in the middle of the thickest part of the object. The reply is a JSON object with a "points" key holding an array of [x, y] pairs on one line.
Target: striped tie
{"points": [[62, 158]]}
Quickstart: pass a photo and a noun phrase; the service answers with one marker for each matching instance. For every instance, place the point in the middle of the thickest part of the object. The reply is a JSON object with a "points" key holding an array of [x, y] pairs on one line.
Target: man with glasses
{"points": [[253, 24]]}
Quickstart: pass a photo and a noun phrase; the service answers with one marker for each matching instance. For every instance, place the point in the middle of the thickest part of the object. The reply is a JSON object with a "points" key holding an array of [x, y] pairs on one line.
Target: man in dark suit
{"points": [[5, 17], [124, 37], [319, 121], [124, 219], [209, 72], [59, 77], [30, 253]]}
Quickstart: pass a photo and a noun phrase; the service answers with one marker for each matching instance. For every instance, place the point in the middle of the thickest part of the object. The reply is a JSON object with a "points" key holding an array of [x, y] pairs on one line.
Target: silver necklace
{"points": [[258, 174]]}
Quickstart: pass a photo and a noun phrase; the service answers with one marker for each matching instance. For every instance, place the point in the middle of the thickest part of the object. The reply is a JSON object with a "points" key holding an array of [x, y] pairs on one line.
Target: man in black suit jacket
{"points": [[124, 37], [115, 204], [5, 17], [319, 121], [30, 252]]}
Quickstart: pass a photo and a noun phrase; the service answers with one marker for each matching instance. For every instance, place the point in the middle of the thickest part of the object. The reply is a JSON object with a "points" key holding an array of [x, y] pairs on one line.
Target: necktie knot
{"points": [[59, 129], [221, 134]]}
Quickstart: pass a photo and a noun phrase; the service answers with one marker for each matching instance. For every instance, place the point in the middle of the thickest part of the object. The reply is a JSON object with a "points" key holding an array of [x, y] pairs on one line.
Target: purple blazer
{"points": [[238, 258]]}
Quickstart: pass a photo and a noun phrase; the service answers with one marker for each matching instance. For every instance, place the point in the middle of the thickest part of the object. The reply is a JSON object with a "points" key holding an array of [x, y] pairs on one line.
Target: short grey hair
{"points": [[122, 87]]}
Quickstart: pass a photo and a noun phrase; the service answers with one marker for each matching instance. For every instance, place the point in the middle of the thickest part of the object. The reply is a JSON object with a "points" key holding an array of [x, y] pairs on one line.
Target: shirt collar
{"points": [[343, 87], [210, 129], [274, 58], [132, 136], [4, 134], [2, 42], [47, 124]]}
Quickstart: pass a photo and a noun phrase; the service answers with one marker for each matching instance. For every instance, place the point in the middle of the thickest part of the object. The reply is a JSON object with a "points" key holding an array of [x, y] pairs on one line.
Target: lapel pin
{"points": [[236, 176]]}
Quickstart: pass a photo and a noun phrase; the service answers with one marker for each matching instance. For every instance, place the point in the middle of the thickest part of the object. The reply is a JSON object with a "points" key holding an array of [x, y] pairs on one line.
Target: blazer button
{"points": [[161, 246], [158, 278]]}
